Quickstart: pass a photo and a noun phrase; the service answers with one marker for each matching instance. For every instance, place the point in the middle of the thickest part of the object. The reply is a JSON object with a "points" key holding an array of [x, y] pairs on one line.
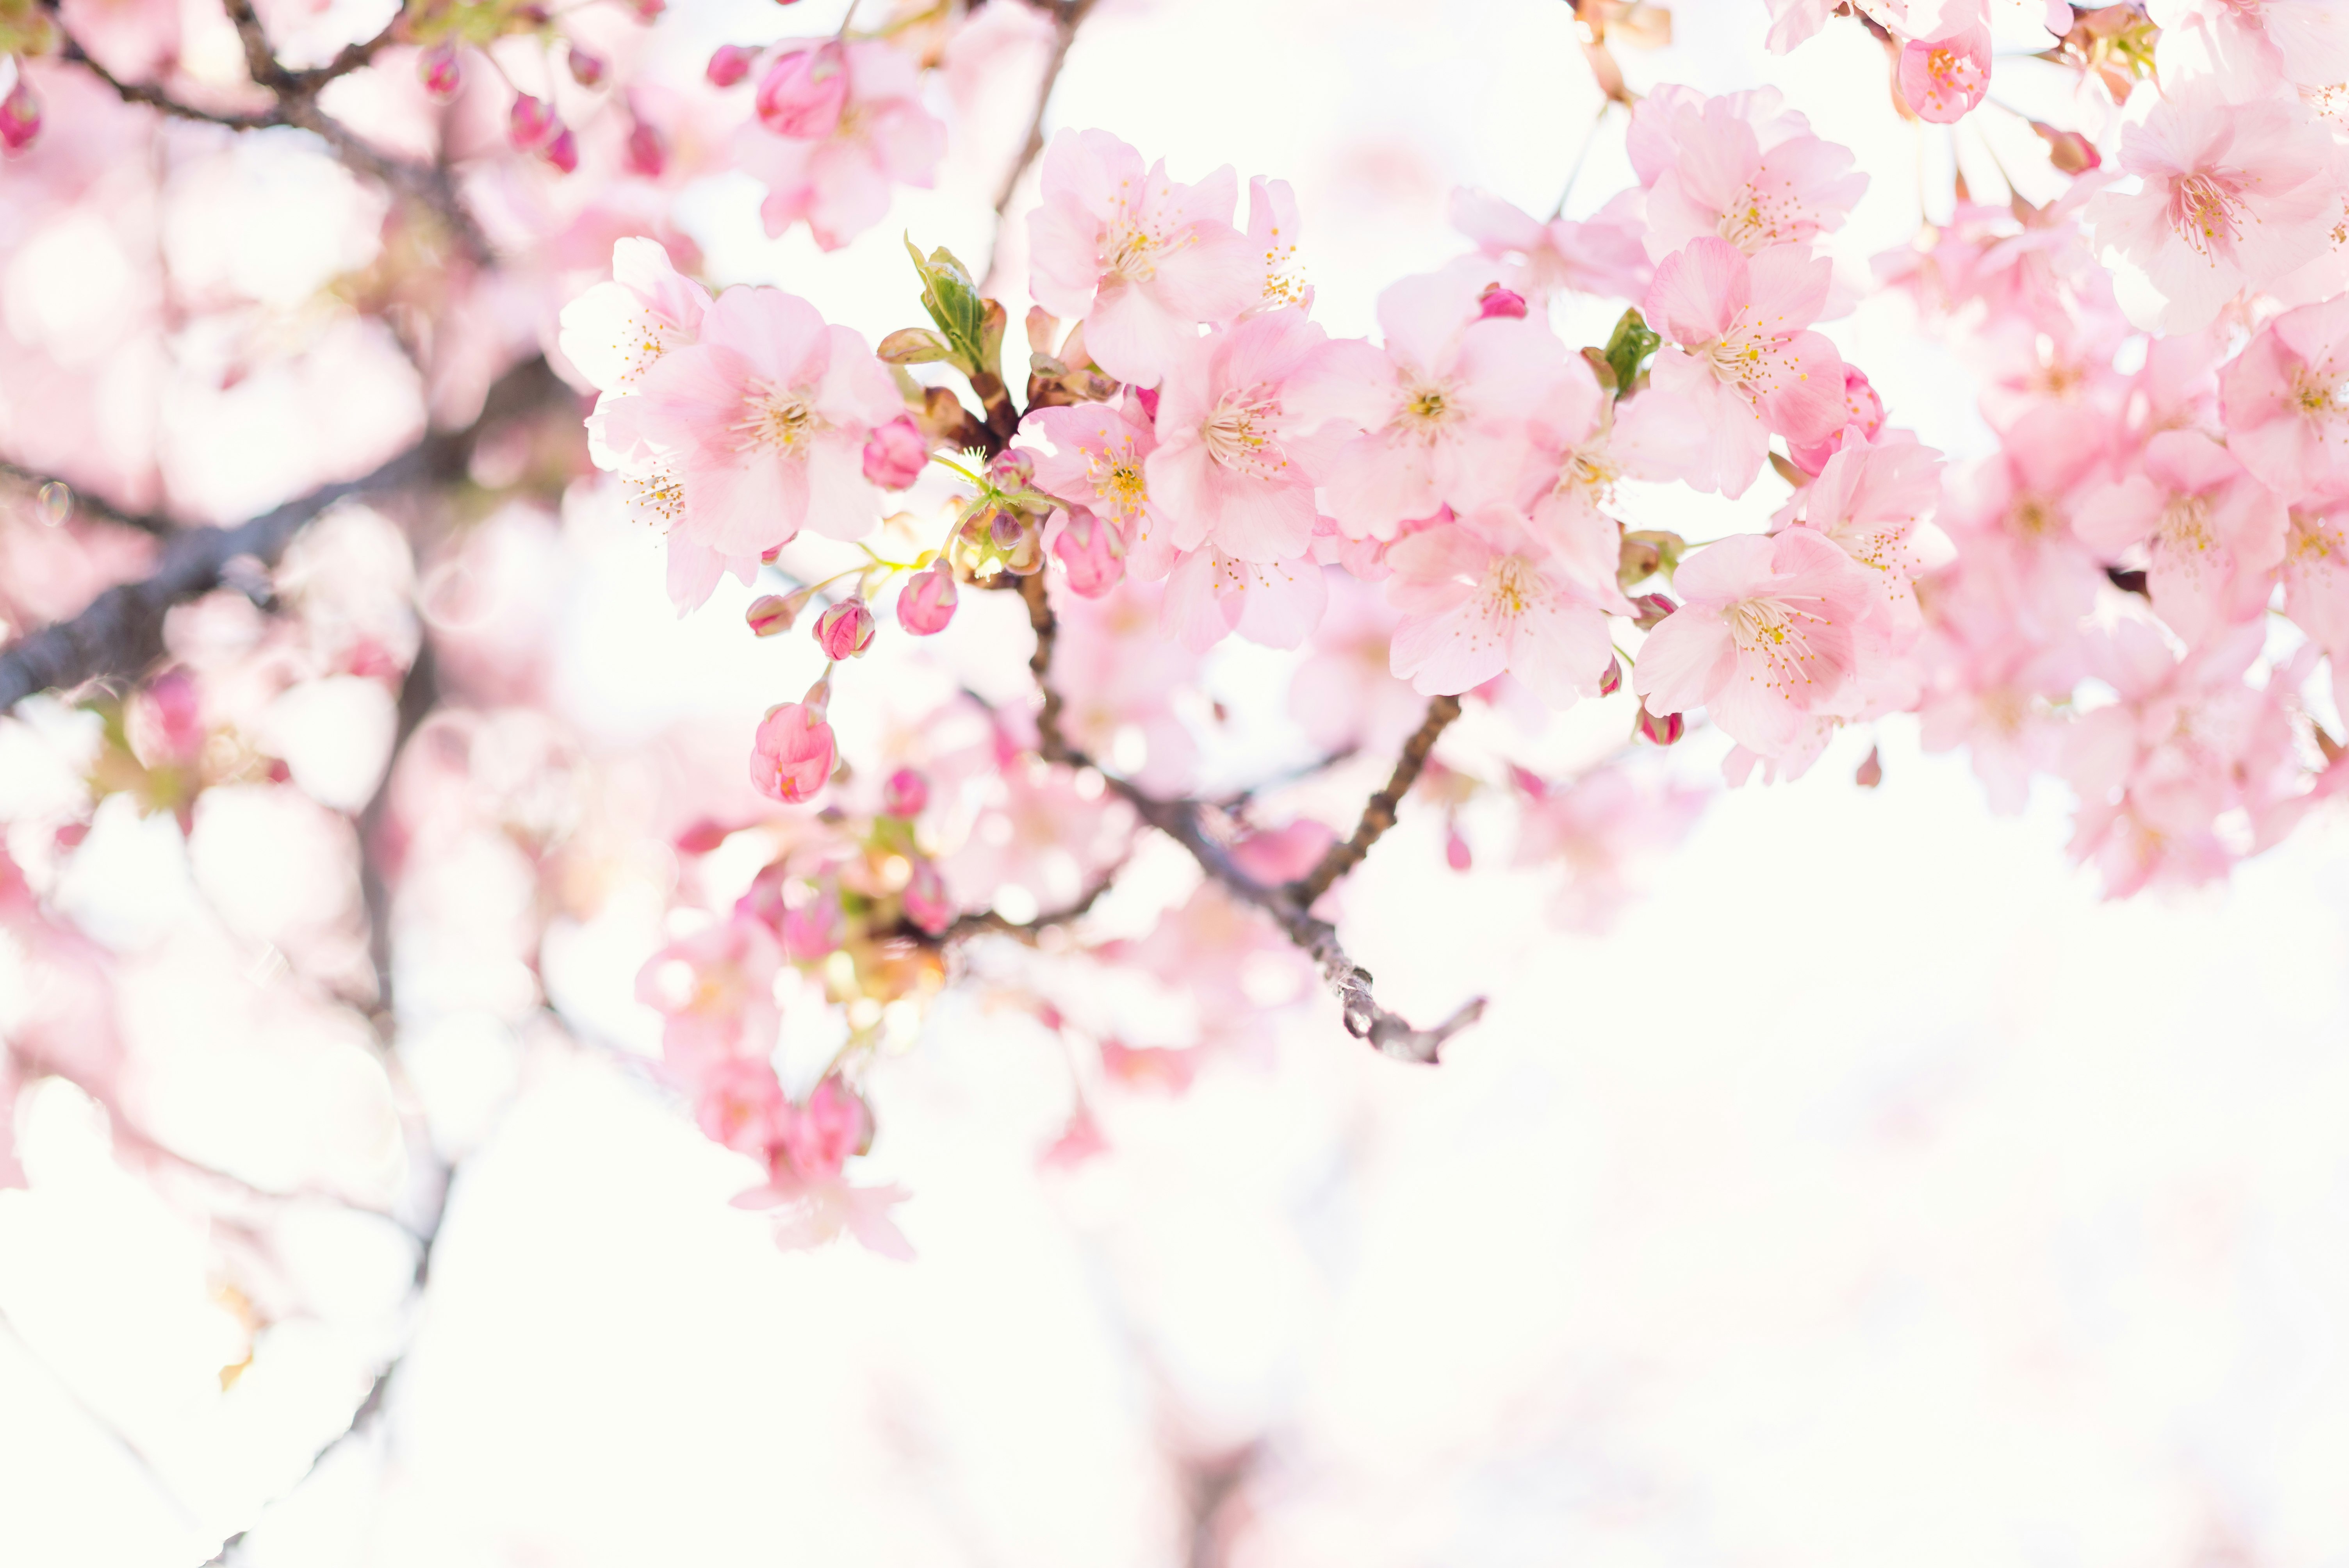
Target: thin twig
{"points": [[1378, 811], [88, 505], [1181, 820], [1066, 19], [989, 922]]}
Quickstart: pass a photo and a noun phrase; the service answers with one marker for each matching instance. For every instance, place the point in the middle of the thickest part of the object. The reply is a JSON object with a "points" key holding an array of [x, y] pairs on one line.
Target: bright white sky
{"points": [[1873, 1193]]}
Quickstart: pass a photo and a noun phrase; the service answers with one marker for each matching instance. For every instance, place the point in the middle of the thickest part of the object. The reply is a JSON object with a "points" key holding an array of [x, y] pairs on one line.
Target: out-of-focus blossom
{"points": [[792, 754], [838, 181]]}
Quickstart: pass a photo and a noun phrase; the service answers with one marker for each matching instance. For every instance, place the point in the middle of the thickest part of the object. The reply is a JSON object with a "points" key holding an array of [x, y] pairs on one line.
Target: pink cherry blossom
{"points": [[1738, 168], [1481, 595], [2282, 398], [1249, 421], [2214, 533], [838, 181], [2246, 49], [1741, 364], [1211, 595], [1448, 409], [803, 92], [1764, 636], [1142, 258], [2229, 196], [740, 1104], [1600, 830], [715, 990], [1871, 499], [1603, 256], [1944, 77], [2316, 578], [905, 794], [1098, 463], [762, 422], [792, 754], [1582, 442]]}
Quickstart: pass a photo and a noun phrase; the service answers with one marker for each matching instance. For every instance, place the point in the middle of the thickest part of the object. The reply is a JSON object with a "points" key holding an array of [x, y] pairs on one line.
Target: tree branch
{"points": [[88, 505], [1067, 17], [1180, 821], [1378, 811], [121, 632]]}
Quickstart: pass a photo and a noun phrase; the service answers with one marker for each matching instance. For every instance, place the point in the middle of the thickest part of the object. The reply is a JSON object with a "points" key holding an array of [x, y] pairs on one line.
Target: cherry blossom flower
{"points": [[2316, 578], [792, 755], [1763, 636], [837, 179], [1603, 256], [1944, 77], [715, 990], [1600, 830], [2282, 398], [1448, 410], [2229, 196], [1249, 421], [1581, 442], [1142, 258], [1738, 168], [2214, 533], [739, 1104], [1481, 595], [1741, 364], [1210, 595], [763, 423], [1098, 463], [1871, 499], [2245, 49]]}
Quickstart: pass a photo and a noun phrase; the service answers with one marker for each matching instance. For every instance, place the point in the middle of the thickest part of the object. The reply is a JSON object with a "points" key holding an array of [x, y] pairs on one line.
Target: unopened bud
{"points": [[588, 70], [648, 151], [439, 72], [926, 605], [1653, 608], [729, 64], [1612, 681], [896, 454], [1007, 529], [1871, 772], [1455, 849], [2068, 149], [905, 794], [1090, 551], [1012, 468], [770, 614], [20, 115], [1498, 300], [1663, 728], [532, 122], [845, 630], [562, 151]]}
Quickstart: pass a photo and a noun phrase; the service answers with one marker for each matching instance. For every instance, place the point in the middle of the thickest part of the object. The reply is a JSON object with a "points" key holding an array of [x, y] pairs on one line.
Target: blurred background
{"points": [[1868, 1190]]}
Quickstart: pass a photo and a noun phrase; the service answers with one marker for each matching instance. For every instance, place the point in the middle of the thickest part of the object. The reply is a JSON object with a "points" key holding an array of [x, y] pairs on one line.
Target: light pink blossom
{"points": [[838, 183], [1142, 258], [715, 991], [1872, 499], [2246, 49], [1738, 168], [1764, 636], [1098, 462], [1602, 256], [1741, 364], [1944, 77], [2282, 398], [2214, 533], [1481, 595]]}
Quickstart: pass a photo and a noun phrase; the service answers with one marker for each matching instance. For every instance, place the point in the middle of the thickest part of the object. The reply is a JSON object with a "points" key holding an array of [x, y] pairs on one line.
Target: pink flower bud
{"points": [[845, 630], [648, 151], [2068, 149], [562, 151], [648, 11], [770, 614], [793, 753], [20, 116], [927, 905], [1498, 300], [896, 454], [532, 122], [905, 794], [1652, 609], [818, 1139], [729, 64], [1090, 551], [1871, 771], [1663, 728], [1612, 681], [803, 93], [1456, 848], [1012, 468], [1007, 529], [926, 603], [588, 70], [438, 69]]}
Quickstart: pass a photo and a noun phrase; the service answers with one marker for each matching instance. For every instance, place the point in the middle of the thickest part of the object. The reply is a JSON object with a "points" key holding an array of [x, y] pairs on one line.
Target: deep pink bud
{"points": [[926, 603], [1012, 468], [2068, 149], [927, 905], [771, 614], [648, 10], [647, 152], [793, 753], [1652, 608], [803, 93], [1612, 681], [438, 69], [896, 454], [845, 630], [1090, 551], [1663, 728], [20, 116], [1148, 398], [588, 70], [532, 122], [729, 64], [905, 794], [562, 151], [1455, 849], [1498, 300]]}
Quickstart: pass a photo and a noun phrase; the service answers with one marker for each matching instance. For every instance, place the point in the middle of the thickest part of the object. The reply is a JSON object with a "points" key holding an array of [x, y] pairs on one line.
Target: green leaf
{"points": [[953, 302], [1629, 349], [914, 346]]}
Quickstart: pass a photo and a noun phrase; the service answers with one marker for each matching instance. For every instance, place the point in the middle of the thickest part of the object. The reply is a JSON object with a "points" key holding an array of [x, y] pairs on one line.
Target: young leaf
{"points": [[1629, 349]]}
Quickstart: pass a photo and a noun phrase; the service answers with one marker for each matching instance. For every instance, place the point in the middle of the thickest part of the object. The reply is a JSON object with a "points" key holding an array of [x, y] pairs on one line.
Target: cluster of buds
{"points": [[444, 27], [1001, 527], [532, 126]]}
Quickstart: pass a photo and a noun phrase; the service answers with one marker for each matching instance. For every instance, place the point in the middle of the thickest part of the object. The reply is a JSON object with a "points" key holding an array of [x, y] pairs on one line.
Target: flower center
{"points": [[2205, 211], [1759, 217], [1590, 470], [778, 418], [1511, 585], [1427, 410], [1736, 356], [2186, 525], [1242, 433], [2033, 518], [1772, 633], [1118, 481]]}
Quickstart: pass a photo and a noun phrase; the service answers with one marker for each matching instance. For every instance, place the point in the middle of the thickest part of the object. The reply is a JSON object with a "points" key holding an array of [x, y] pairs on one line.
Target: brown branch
{"points": [[1181, 820], [1379, 812], [87, 505], [989, 922], [120, 632]]}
